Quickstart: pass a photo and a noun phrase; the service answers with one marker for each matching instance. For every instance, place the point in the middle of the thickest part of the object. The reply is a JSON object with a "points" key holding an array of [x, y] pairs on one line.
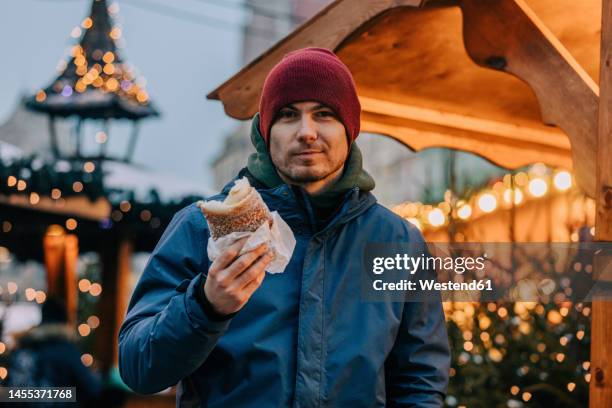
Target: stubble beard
{"points": [[306, 175]]}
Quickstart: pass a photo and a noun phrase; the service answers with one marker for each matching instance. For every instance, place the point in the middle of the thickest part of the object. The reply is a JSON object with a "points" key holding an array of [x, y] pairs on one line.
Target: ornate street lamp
{"points": [[94, 84]]}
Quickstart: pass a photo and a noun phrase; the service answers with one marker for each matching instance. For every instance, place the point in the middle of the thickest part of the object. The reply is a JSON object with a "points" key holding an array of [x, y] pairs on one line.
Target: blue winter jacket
{"points": [[304, 339]]}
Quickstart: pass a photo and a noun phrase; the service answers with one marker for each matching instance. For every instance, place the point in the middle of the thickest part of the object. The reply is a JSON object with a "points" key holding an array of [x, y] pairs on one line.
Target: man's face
{"points": [[308, 143]]}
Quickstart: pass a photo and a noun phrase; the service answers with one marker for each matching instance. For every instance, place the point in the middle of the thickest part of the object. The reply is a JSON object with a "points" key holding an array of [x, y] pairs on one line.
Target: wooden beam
{"points": [[79, 206], [600, 395], [61, 253], [116, 255], [516, 133], [504, 151], [507, 35], [71, 258]]}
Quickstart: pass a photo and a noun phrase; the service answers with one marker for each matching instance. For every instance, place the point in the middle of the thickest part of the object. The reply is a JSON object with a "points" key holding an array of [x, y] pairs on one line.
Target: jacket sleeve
{"points": [[417, 368], [166, 334]]}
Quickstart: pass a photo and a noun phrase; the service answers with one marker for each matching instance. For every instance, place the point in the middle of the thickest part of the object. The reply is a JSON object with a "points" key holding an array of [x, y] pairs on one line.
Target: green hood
{"points": [[260, 165]]}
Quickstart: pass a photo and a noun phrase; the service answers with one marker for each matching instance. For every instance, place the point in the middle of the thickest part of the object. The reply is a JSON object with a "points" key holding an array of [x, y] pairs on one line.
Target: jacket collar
{"points": [[354, 203]]}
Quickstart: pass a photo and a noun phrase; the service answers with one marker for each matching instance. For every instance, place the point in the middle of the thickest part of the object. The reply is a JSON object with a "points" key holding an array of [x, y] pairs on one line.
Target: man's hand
{"points": [[232, 279]]}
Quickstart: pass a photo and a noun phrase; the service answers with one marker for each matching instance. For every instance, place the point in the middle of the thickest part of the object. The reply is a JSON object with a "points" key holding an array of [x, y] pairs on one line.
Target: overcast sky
{"points": [[180, 51]]}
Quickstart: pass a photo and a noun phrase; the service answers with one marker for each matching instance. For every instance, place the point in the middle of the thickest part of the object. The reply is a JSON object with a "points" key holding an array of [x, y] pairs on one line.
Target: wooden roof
{"points": [[510, 80]]}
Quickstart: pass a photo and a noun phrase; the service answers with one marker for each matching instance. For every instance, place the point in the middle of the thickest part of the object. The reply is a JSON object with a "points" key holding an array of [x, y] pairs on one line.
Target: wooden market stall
{"points": [[514, 81]]}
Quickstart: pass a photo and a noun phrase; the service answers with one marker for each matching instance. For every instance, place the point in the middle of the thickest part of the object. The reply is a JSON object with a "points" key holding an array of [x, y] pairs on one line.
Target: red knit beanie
{"points": [[310, 74]]}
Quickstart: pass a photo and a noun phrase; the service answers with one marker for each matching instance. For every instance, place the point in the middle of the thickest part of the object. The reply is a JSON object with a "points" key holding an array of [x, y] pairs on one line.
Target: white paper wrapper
{"points": [[279, 238]]}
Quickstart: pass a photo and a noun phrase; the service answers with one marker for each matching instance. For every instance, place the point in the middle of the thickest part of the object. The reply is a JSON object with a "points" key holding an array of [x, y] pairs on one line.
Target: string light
{"points": [[95, 289], [464, 212], [71, 224], [34, 198], [89, 167], [115, 33], [84, 285], [30, 294], [538, 169], [495, 355], [116, 215], [538, 187], [11, 287], [554, 317], [109, 69], [101, 137], [436, 217], [562, 180], [40, 296], [66, 91], [113, 8], [112, 84], [80, 86], [41, 96], [125, 206], [87, 359], [484, 322], [84, 329], [93, 321], [518, 196], [145, 215], [487, 202], [108, 57], [142, 96], [76, 32], [87, 23]]}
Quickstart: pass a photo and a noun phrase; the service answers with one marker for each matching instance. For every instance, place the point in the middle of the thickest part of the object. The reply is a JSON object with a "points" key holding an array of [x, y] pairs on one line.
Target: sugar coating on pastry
{"points": [[242, 210]]}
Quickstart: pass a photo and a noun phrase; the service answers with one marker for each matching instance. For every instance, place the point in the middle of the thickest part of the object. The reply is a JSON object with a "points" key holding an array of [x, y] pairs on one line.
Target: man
{"points": [[302, 338]]}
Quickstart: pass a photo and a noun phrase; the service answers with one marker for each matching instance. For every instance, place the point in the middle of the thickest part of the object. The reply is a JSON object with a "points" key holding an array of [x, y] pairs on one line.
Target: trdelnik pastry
{"points": [[243, 213], [243, 210]]}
